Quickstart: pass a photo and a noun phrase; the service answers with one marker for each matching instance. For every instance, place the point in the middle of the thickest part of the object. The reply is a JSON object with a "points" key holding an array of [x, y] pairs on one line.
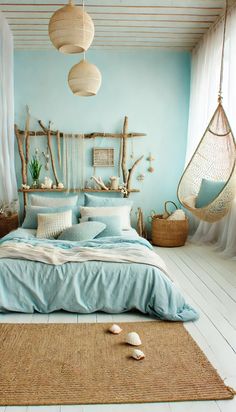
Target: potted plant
{"points": [[35, 167]]}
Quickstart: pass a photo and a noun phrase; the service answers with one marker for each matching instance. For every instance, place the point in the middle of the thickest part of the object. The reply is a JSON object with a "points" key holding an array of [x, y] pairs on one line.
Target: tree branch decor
{"points": [[23, 140]]}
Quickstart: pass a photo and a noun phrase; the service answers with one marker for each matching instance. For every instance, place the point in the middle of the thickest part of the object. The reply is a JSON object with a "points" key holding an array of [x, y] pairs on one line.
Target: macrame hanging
{"points": [[213, 163]]}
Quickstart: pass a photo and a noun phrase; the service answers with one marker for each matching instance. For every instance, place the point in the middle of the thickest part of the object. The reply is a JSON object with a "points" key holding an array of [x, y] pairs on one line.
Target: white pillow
{"points": [[122, 211], [50, 225], [190, 201], [37, 200]]}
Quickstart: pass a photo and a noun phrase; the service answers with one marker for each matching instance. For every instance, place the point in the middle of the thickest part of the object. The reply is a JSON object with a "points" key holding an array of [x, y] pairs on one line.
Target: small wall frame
{"points": [[103, 157]]}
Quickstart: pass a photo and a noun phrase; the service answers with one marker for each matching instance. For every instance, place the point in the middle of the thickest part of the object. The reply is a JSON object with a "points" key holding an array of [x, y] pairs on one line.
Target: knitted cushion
{"points": [[52, 224]]}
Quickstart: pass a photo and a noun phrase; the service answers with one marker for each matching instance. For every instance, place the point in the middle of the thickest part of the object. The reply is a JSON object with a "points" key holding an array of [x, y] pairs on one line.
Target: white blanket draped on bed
{"points": [[57, 256]]}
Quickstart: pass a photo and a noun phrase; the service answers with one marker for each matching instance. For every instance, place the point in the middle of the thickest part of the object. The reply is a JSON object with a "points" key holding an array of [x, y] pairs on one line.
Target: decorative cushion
{"points": [[46, 201], [52, 224], [96, 201], [209, 190], [113, 225], [190, 201], [31, 216], [122, 211], [82, 231]]}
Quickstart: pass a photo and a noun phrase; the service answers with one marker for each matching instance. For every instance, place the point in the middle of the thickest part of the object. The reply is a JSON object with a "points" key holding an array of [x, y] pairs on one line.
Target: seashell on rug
{"points": [[137, 354], [133, 339], [115, 329]]}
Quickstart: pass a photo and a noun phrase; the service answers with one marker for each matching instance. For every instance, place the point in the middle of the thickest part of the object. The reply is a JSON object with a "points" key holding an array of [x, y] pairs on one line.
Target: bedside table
{"points": [[7, 224]]}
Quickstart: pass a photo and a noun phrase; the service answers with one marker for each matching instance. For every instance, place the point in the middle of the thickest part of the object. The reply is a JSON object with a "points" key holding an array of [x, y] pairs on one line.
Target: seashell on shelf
{"points": [[133, 339], [115, 329], [138, 354]]}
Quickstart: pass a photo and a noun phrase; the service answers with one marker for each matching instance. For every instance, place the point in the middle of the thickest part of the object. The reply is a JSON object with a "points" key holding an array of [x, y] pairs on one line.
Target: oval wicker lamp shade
{"points": [[84, 79], [71, 29]]}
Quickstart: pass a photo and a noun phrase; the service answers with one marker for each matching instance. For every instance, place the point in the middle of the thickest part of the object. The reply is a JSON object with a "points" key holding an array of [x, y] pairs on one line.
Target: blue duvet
{"points": [[87, 287]]}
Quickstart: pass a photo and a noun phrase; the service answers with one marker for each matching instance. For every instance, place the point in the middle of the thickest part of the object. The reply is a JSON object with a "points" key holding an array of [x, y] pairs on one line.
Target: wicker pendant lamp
{"points": [[84, 79], [71, 29]]}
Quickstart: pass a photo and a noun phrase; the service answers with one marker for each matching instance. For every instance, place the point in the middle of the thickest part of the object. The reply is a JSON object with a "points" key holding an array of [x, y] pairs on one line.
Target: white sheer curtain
{"points": [[203, 100], [8, 190]]}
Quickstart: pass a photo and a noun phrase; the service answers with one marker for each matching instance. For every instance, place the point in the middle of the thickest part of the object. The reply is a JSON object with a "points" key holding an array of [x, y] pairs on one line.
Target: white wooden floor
{"points": [[209, 283]]}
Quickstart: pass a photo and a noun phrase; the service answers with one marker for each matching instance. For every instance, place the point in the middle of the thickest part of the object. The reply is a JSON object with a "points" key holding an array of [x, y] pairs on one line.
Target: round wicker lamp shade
{"points": [[71, 29], [84, 79]]}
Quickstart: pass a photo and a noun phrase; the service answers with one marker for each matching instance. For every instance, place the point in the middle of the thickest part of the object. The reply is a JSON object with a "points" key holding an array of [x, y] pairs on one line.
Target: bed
{"points": [[123, 274]]}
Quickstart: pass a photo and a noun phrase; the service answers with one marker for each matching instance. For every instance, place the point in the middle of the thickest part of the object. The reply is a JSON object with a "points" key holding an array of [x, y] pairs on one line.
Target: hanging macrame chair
{"points": [[214, 161]]}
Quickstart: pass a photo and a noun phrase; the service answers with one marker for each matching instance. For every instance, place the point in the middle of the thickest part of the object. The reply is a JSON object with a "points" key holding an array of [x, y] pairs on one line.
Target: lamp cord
{"points": [[83, 28]]}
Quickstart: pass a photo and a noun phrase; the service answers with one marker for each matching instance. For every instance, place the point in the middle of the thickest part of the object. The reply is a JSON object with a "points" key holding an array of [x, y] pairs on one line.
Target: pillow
{"points": [[82, 231], [113, 225], [37, 200], [122, 211], [209, 190], [31, 214], [190, 201], [95, 201], [52, 224]]}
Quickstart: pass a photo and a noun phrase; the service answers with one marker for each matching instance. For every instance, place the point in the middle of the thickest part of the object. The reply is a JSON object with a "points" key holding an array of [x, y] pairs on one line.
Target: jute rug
{"points": [[47, 364]]}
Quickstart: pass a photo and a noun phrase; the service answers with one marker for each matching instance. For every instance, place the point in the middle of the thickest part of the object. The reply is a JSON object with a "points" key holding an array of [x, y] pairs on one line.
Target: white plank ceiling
{"points": [[172, 24]]}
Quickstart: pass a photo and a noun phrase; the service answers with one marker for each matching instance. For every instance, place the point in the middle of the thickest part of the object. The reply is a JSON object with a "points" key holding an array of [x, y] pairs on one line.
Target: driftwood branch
{"points": [[22, 156], [59, 148], [100, 182], [92, 135], [51, 155], [124, 151], [45, 130], [141, 229], [27, 140], [48, 132], [131, 171], [19, 139], [120, 158], [27, 148]]}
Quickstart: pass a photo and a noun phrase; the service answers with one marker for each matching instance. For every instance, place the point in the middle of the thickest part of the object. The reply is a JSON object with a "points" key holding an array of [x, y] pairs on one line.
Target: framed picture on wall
{"points": [[103, 157]]}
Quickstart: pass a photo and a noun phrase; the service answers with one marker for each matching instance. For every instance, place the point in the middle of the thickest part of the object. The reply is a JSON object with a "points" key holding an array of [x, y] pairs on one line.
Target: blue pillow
{"points": [[31, 214], [97, 201], [113, 225], [209, 190], [82, 231]]}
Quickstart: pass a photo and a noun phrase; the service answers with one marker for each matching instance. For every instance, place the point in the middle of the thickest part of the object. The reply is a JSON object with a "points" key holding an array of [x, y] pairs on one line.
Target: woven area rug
{"points": [[47, 364]]}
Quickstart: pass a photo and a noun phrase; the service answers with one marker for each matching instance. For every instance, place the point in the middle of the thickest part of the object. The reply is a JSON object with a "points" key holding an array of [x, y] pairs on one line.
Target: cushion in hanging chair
{"points": [[209, 190], [215, 161], [190, 201]]}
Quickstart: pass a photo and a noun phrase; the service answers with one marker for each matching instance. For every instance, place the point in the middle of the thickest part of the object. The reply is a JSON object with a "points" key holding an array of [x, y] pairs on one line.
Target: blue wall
{"points": [[152, 88]]}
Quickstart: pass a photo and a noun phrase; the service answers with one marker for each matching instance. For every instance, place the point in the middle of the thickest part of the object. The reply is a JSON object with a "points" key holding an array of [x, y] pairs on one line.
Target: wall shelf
{"points": [[23, 141], [74, 190]]}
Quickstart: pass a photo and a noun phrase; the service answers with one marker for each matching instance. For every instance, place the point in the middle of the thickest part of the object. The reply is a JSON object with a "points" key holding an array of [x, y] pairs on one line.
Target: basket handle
{"points": [[165, 206]]}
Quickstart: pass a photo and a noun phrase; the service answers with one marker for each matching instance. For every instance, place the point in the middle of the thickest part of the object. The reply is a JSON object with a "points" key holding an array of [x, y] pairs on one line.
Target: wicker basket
{"points": [[169, 233], [7, 224]]}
